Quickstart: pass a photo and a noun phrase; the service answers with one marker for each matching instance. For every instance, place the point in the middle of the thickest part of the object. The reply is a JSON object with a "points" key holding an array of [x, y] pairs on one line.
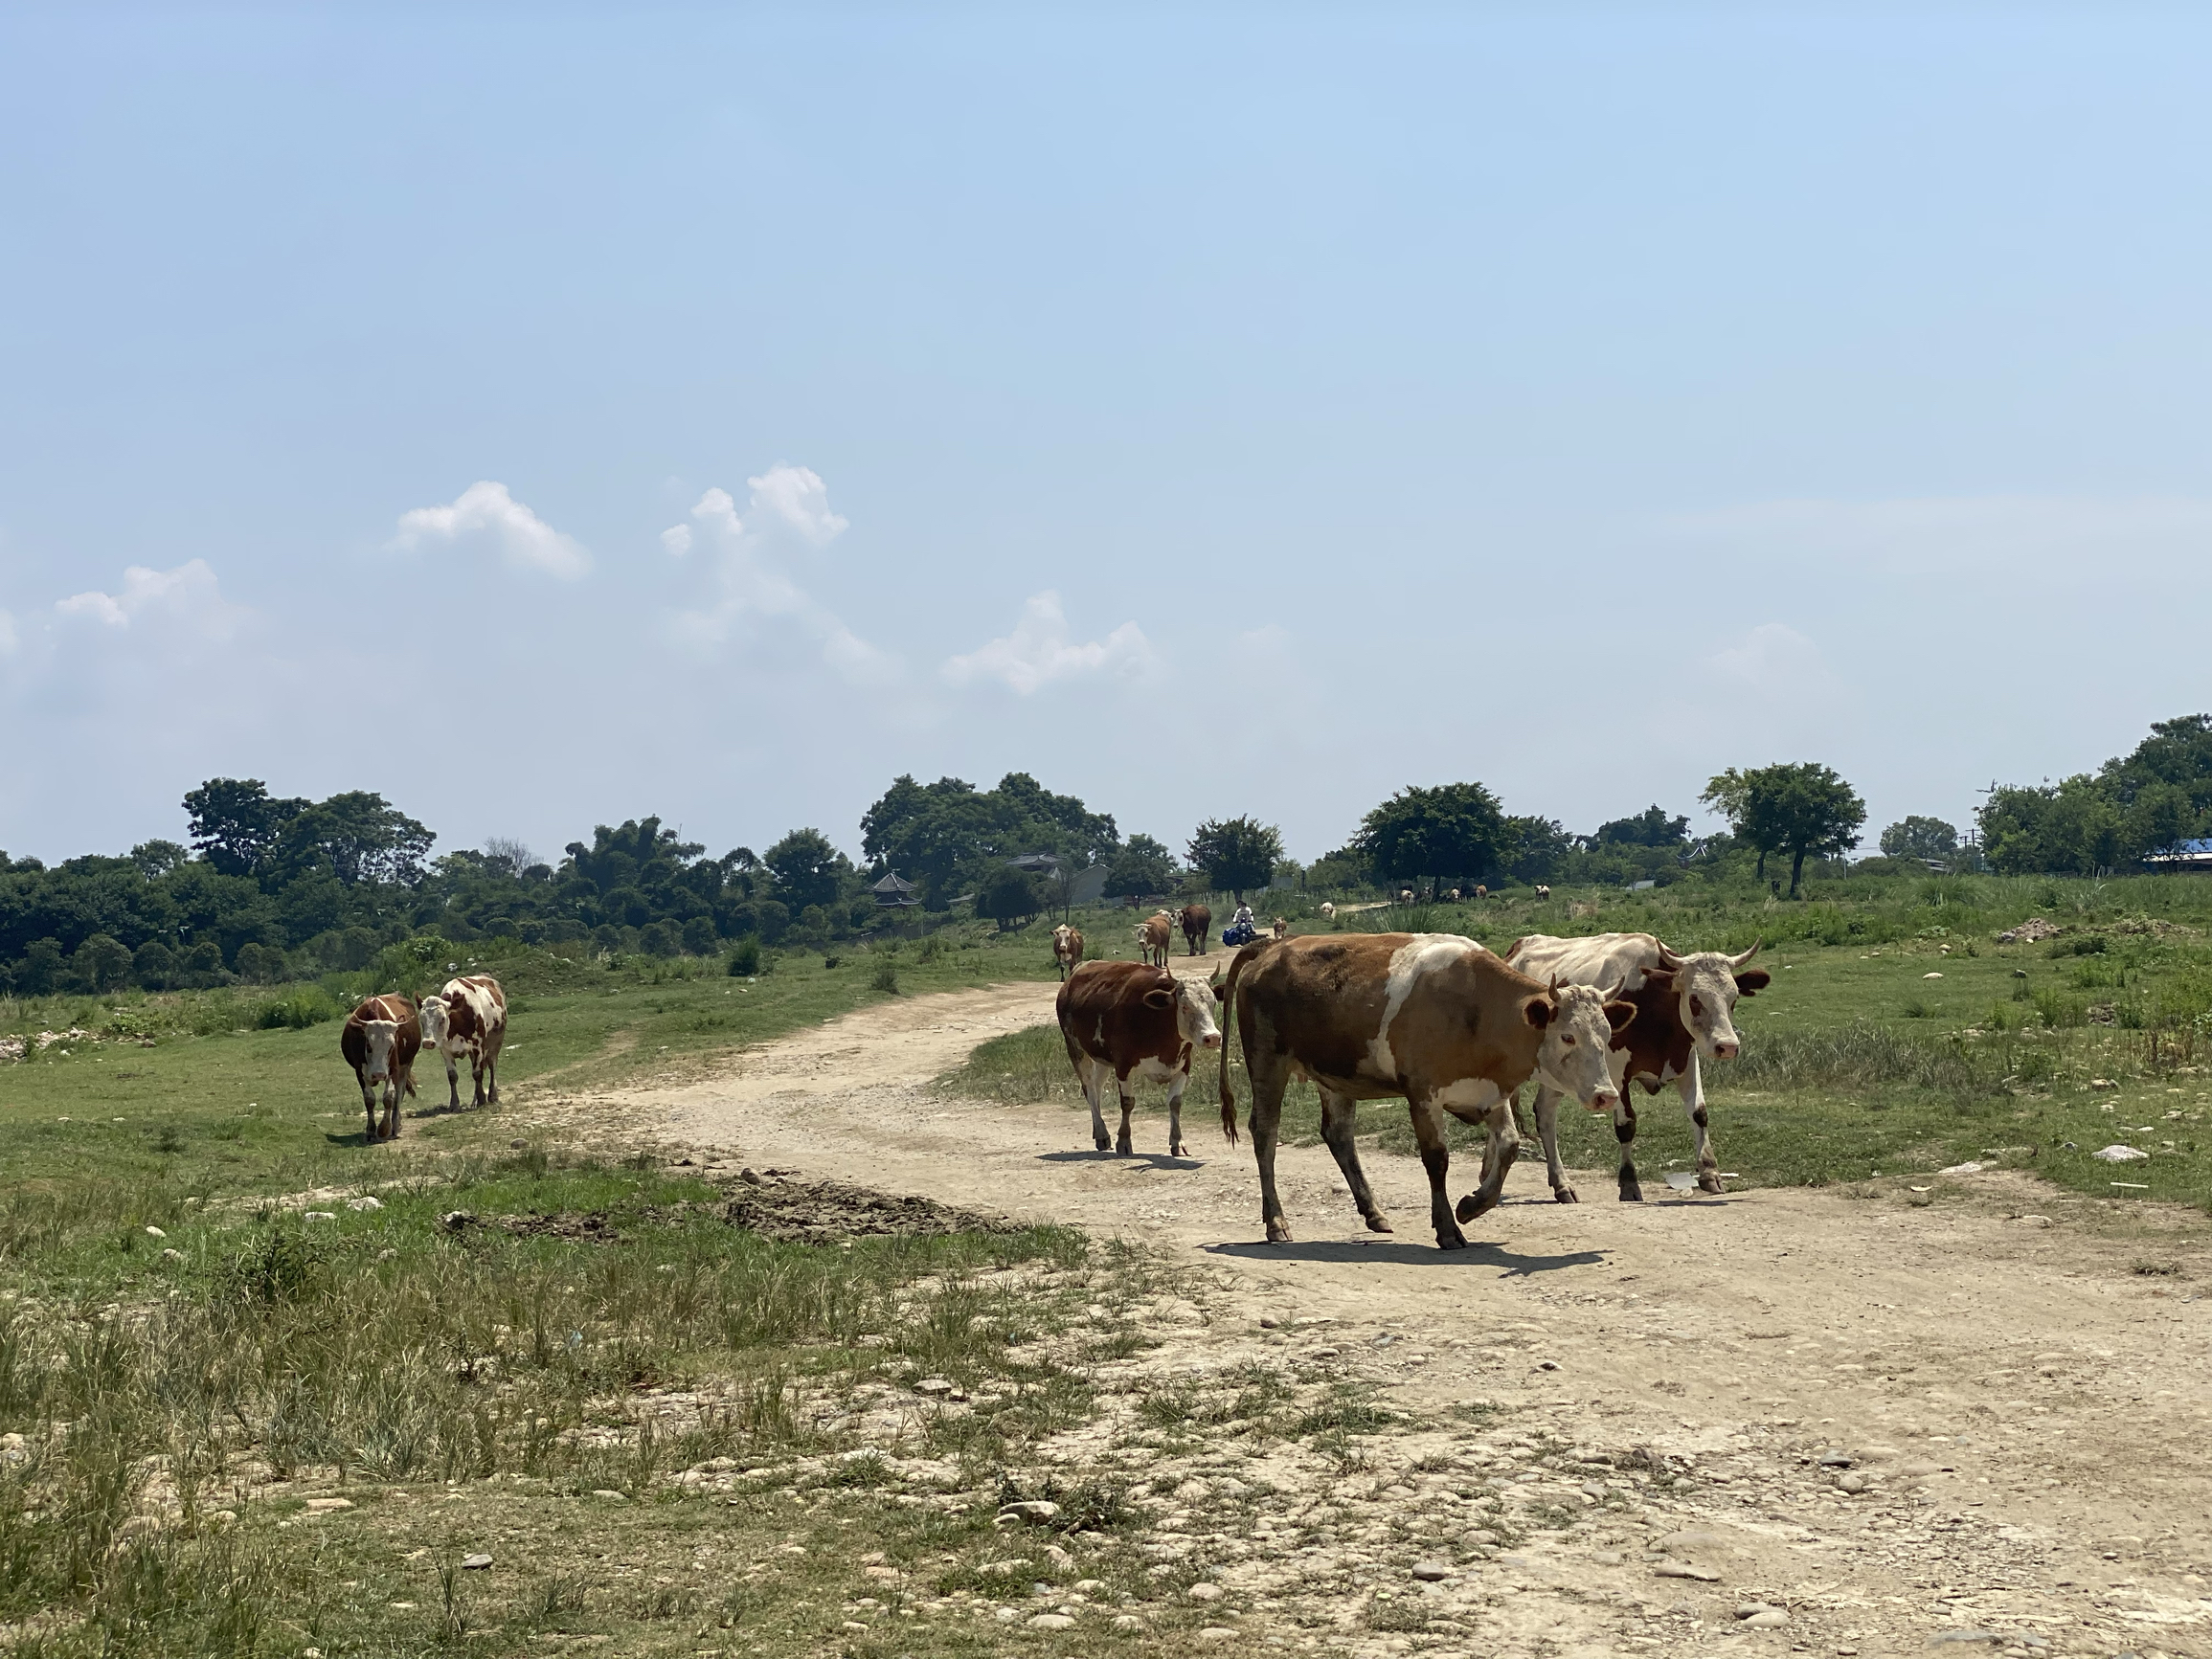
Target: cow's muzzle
{"points": [[1212, 1042], [1726, 1050]]}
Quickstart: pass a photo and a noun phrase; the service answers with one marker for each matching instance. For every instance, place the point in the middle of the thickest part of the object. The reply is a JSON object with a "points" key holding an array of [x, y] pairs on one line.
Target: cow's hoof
{"points": [[1454, 1240], [1123, 1146], [1709, 1182], [1378, 1223], [1630, 1195], [1178, 1150], [1565, 1195], [1278, 1233], [1475, 1204], [1104, 1145]]}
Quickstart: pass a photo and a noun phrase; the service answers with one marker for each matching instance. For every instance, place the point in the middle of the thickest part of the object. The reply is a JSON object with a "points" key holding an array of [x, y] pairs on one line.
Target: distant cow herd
{"points": [[382, 1038], [1434, 1018]]}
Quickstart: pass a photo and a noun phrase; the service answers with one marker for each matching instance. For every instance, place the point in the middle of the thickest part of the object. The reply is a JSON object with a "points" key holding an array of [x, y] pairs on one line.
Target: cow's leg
{"points": [[368, 1107], [1122, 1144], [1497, 1159], [1268, 1077], [1094, 1079], [1175, 1087], [1692, 1088], [452, 1084], [491, 1077], [1548, 1130], [1624, 1132], [1437, 1160], [1340, 1113], [391, 1109]]}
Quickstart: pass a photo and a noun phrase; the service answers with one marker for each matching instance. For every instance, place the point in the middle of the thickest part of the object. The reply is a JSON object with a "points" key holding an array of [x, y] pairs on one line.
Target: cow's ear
{"points": [[1659, 978], [1619, 1014], [1753, 980], [1537, 1011], [1159, 997]]}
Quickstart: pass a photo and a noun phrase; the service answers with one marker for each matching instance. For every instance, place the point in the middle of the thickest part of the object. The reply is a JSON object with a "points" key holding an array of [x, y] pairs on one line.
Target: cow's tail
{"points": [[1228, 1010]]}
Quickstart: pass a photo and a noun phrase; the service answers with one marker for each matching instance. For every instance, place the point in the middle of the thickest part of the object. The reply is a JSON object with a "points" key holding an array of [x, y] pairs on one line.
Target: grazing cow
{"points": [[1130, 1020], [1543, 892], [1067, 950], [1328, 911], [1405, 896], [380, 1041], [468, 1018], [1452, 893], [1152, 935], [1432, 1018], [1684, 1007], [1482, 891], [1197, 922], [1281, 929]]}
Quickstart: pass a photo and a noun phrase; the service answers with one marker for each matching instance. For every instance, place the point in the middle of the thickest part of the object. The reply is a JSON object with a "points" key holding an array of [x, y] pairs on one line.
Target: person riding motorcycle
{"points": [[1242, 929]]}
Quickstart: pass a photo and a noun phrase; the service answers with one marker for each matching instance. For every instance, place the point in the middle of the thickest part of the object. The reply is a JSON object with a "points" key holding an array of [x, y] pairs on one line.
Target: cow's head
{"points": [[1192, 1000], [436, 1024], [1062, 934], [1707, 985], [1577, 1024], [380, 1038]]}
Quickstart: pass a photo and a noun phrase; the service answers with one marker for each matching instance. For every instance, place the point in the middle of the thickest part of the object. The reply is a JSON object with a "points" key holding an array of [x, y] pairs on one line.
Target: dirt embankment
{"points": [[1986, 1417]]}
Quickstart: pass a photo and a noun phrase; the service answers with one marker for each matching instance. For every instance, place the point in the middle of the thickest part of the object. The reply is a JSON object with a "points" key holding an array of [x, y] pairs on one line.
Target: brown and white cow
{"points": [[1130, 1022], [1431, 1017], [1328, 911], [1197, 924], [1282, 928], [468, 1018], [1543, 891], [1067, 949], [1684, 1012], [379, 1040], [1152, 937]]}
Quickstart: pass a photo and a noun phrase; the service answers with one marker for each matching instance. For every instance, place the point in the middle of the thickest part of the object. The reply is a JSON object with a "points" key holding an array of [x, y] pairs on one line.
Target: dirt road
{"points": [[2008, 1386]]}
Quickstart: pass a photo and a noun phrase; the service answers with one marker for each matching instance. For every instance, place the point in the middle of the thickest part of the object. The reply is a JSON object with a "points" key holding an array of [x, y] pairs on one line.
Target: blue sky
{"points": [[546, 417]]}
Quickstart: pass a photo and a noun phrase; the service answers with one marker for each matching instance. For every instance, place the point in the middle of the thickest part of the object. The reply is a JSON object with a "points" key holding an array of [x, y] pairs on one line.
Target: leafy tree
{"points": [[1536, 847], [1803, 809], [101, 963], [2072, 829], [1142, 866], [234, 822], [1927, 839], [1648, 828], [154, 858], [1455, 829], [357, 837], [1008, 896], [807, 870], [1237, 854], [945, 837]]}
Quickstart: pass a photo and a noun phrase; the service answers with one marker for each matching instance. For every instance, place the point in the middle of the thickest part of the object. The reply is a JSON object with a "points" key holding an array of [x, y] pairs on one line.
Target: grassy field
{"points": [[1899, 1035]]}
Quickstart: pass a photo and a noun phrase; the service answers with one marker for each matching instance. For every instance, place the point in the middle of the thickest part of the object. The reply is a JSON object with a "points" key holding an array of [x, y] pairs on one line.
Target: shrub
{"points": [[745, 959], [885, 977], [154, 965], [296, 1010], [258, 964]]}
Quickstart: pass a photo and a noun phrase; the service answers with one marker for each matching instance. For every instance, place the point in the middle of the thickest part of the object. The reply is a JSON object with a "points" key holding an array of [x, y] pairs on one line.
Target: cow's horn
{"points": [[1739, 961], [1668, 958]]}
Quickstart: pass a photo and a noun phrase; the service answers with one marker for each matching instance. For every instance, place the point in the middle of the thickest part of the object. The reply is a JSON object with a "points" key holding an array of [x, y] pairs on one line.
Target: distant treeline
{"points": [[272, 889]]}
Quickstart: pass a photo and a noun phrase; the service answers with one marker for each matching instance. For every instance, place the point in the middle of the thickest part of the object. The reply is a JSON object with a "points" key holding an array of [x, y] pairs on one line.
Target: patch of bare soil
{"points": [[1797, 1420], [828, 1212]]}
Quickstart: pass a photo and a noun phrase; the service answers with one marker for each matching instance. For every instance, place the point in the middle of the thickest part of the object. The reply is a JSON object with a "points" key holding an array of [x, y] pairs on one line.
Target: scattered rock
{"points": [[152, 1232], [1854, 1484], [1206, 1592], [1931, 976], [2029, 932], [1992, 1637], [317, 1216], [363, 1202], [624, 1497], [1052, 1622], [2119, 1155], [456, 1221], [327, 1506], [172, 1255], [1217, 1633], [1684, 1569], [1837, 1459], [752, 1177], [1431, 1572], [933, 1385], [1970, 1168], [1034, 1512], [1127, 1621], [1759, 1616], [475, 1563]]}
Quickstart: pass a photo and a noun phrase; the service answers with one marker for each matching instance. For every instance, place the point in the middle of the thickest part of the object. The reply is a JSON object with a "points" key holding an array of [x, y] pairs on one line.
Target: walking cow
{"points": [[1067, 950], [1431, 1017], [1125, 1020], [379, 1040], [468, 1018], [1197, 923], [1152, 935], [1685, 1008]]}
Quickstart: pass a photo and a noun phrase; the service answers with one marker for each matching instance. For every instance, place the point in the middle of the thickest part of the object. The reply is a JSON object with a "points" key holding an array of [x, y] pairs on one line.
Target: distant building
{"points": [[895, 894], [2193, 855]]}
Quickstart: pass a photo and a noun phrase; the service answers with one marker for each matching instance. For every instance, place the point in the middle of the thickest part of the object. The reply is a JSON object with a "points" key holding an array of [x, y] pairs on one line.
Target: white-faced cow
{"points": [[1067, 950], [468, 1018], [1431, 1017], [1282, 928], [1543, 891], [1684, 1012], [1197, 924], [1328, 911], [379, 1040], [1152, 937], [1129, 1021]]}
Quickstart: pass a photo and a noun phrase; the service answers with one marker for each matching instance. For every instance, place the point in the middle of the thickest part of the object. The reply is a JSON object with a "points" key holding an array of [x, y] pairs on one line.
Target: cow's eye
{"points": [[1696, 1007], [1568, 1039]]}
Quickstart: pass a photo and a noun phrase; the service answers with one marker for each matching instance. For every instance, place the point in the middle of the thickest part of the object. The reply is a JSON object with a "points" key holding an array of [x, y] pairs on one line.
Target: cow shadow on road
{"points": [[1516, 1264], [1158, 1160]]}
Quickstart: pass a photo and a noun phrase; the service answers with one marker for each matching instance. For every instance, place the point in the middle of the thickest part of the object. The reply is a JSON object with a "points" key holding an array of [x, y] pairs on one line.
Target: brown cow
{"points": [[468, 1018], [1067, 949], [1197, 922], [1125, 1018], [1152, 937], [380, 1041], [1281, 929], [1431, 1018]]}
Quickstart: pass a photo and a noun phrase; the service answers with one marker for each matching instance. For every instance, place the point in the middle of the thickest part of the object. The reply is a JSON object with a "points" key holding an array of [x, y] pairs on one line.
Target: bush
{"points": [[154, 965], [258, 964], [101, 963], [745, 959], [296, 1010], [886, 978]]}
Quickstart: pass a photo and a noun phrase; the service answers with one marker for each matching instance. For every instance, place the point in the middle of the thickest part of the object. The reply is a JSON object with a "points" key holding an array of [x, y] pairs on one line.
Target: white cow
{"points": [[1685, 1013], [468, 1018]]}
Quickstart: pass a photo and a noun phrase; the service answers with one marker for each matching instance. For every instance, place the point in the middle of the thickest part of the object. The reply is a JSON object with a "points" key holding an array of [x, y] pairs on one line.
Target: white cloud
{"points": [[486, 508], [188, 596], [1039, 651], [789, 505], [2016, 535]]}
